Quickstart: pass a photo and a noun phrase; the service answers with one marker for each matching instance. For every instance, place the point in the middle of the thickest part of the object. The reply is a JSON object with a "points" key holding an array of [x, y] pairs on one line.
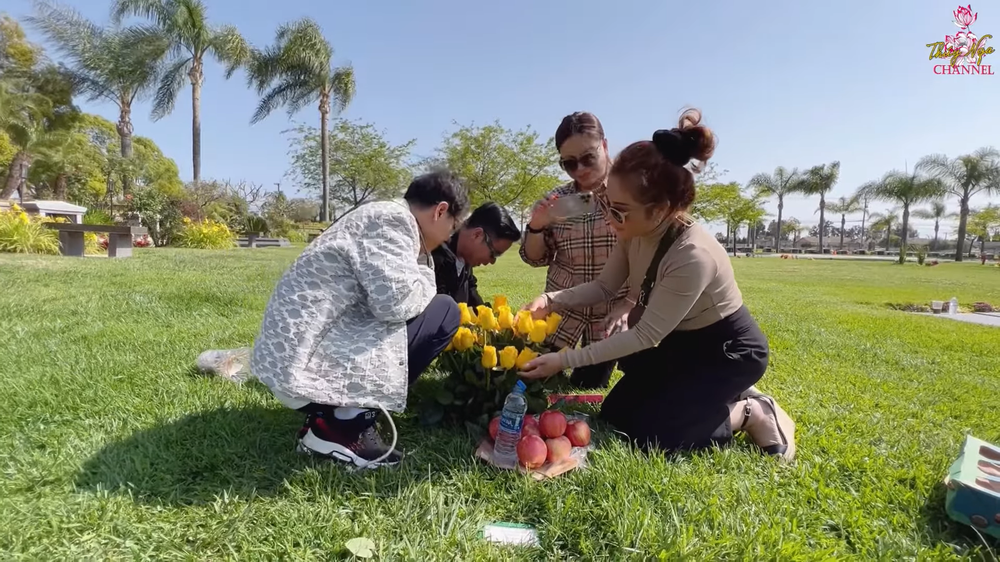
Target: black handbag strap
{"points": [[666, 241]]}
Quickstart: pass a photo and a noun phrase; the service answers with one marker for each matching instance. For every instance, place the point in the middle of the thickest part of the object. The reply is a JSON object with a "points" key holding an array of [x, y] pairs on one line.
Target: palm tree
{"points": [[184, 24], [884, 221], [779, 184], [906, 189], [21, 116], [296, 71], [964, 177], [107, 64], [936, 212], [844, 206], [819, 180]]}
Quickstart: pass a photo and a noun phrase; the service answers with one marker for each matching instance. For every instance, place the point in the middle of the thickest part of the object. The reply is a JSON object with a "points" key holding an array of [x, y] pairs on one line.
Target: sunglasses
{"points": [[494, 254], [616, 215], [588, 160]]}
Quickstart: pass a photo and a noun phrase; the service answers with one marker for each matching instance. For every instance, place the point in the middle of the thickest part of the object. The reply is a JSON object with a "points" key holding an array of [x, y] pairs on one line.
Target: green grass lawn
{"points": [[111, 446]]}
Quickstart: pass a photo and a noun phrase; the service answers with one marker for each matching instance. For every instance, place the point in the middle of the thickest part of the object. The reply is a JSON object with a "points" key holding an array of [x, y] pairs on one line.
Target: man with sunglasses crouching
{"points": [[486, 235]]}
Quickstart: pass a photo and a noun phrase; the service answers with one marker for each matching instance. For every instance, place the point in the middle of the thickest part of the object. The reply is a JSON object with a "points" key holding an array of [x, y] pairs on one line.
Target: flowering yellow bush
{"points": [[205, 235], [483, 359], [21, 233]]}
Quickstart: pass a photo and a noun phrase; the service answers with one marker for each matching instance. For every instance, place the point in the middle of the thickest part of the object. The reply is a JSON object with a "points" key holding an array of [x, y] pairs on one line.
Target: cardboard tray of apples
{"points": [[551, 444]]}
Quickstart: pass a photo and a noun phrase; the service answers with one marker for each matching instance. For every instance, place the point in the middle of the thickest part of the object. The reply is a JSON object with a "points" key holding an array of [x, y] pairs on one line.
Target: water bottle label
{"points": [[511, 422]]}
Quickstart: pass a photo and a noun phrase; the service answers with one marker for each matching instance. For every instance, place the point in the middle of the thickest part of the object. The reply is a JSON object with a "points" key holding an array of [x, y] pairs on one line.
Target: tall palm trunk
{"points": [[963, 221], [864, 215], [197, 76], [14, 174], [324, 143], [937, 225], [781, 207], [61, 185], [843, 225], [124, 128], [903, 235], [822, 220]]}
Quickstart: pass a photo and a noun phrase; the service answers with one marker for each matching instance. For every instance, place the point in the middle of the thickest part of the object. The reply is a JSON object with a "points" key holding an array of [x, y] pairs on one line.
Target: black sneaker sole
{"points": [[312, 445]]}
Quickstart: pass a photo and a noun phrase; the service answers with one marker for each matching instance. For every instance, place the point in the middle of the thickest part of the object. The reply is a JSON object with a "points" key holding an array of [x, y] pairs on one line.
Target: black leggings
{"points": [[676, 395]]}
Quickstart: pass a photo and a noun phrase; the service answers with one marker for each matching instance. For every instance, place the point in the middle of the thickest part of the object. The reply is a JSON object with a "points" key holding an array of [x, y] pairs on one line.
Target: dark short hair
{"points": [[495, 220], [436, 187]]}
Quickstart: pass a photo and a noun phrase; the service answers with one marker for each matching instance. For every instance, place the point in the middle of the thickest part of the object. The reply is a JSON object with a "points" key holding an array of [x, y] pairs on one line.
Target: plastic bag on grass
{"points": [[231, 364]]}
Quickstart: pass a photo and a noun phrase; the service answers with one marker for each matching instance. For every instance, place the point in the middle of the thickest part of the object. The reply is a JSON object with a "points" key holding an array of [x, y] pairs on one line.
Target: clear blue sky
{"points": [[790, 83]]}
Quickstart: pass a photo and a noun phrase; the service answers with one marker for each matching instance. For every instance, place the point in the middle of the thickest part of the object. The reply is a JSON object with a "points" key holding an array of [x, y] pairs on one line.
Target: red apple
{"points": [[530, 430], [558, 449], [494, 427], [552, 424], [531, 451], [578, 433], [530, 420]]}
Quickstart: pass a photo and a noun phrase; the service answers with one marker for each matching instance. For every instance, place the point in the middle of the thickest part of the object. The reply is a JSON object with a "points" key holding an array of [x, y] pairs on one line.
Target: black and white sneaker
{"points": [[358, 448]]}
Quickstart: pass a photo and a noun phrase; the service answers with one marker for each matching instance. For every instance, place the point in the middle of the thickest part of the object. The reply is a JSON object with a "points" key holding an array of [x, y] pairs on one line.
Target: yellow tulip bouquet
{"points": [[482, 362]]}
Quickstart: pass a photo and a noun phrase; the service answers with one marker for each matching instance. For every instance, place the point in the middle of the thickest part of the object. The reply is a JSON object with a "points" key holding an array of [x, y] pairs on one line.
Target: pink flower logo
{"points": [[963, 43], [964, 16], [949, 44]]}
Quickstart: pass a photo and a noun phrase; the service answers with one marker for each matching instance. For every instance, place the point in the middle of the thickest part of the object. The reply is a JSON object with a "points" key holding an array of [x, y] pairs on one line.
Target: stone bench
{"points": [[255, 241], [119, 238]]}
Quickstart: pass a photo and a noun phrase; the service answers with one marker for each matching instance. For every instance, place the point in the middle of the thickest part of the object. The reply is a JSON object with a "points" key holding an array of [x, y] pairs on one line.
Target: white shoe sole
{"points": [[310, 444]]}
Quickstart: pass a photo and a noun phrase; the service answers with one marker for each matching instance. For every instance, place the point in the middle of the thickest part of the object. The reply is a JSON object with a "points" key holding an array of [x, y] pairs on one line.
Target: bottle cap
{"points": [[520, 386]]}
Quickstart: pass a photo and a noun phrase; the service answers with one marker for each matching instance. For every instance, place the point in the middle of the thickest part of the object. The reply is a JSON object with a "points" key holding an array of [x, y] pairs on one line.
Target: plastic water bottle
{"points": [[953, 306], [509, 432]]}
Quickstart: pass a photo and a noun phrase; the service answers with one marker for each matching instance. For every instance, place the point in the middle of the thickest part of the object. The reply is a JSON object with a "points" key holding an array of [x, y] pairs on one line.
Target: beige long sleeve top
{"points": [[694, 288]]}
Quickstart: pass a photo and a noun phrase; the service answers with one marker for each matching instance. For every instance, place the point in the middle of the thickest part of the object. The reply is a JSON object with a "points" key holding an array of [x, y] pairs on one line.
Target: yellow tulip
{"points": [[538, 331], [499, 300], [486, 319], [451, 344], [524, 323], [505, 318], [552, 323], [508, 357], [463, 340], [523, 358], [489, 356], [15, 208], [464, 313], [24, 217]]}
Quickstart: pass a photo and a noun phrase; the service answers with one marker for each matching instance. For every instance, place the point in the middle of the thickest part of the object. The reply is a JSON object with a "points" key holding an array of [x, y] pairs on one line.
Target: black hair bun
{"points": [[676, 146]]}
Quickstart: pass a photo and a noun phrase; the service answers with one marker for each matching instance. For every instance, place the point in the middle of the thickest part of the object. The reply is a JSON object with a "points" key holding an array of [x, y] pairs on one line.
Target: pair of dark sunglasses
{"points": [[616, 215], [494, 254], [571, 164]]}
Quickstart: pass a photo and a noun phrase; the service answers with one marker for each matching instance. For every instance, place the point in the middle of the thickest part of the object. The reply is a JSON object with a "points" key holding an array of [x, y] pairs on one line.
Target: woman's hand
{"points": [[543, 367], [541, 214], [539, 308], [618, 319]]}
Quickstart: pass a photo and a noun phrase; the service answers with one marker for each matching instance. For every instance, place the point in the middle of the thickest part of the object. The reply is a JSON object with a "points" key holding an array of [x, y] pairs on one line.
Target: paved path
{"points": [[982, 318]]}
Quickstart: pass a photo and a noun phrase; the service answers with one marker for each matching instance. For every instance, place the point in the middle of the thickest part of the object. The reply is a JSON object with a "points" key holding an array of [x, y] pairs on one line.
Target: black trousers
{"points": [[676, 396], [427, 334], [590, 376]]}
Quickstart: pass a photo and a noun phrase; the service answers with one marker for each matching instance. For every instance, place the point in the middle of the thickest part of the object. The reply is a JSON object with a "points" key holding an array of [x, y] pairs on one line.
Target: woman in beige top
{"points": [[692, 351]]}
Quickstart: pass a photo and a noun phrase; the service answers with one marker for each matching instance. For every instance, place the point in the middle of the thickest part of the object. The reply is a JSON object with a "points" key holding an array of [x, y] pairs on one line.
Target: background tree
{"points": [[936, 212], [107, 64], [906, 189], [778, 184], [296, 71], [883, 222], [819, 180], [514, 168], [965, 177], [844, 206], [726, 202], [364, 166], [184, 25], [982, 222]]}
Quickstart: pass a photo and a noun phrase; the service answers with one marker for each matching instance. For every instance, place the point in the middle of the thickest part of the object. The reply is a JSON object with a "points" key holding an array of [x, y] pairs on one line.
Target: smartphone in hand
{"points": [[572, 205]]}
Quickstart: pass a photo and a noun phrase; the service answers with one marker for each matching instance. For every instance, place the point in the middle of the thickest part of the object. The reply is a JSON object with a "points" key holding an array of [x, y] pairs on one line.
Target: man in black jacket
{"points": [[485, 236]]}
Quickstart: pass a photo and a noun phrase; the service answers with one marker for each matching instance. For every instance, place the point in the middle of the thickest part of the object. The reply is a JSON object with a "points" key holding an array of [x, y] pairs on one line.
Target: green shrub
{"points": [[22, 234], [254, 223], [296, 236], [97, 216], [205, 235]]}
